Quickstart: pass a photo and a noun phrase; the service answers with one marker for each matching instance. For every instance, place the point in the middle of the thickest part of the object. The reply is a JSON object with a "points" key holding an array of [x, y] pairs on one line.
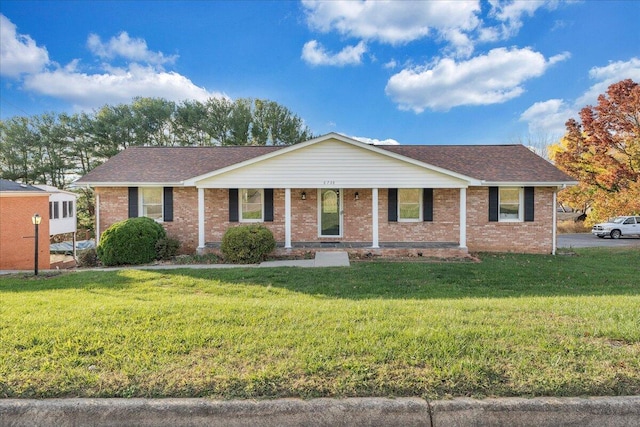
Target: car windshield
{"points": [[618, 220]]}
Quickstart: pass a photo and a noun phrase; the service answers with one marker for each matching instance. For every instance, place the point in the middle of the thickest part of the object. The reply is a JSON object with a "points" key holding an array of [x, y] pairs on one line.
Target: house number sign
{"points": [[329, 182]]}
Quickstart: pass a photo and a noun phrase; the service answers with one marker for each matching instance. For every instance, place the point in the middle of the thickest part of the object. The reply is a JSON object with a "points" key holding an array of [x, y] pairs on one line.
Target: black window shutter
{"points": [[168, 204], [268, 204], [233, 205], [427, 204], [133, 202], [493, 204], [529, 200], [393, 205]]}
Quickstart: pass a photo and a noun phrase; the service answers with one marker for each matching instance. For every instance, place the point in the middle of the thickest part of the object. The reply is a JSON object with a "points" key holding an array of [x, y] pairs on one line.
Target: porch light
{"points": [[36, 219], [357, 196], [303, 196]]}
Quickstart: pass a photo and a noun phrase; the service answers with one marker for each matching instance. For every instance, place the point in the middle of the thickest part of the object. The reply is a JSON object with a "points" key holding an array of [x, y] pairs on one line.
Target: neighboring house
{"points": [[62, 213], [334, 191], [18, 204], [62, 210]]}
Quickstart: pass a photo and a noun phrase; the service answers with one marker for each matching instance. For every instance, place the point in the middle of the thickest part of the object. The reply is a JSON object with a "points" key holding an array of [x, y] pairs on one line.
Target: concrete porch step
{"points": [[332, 259]]}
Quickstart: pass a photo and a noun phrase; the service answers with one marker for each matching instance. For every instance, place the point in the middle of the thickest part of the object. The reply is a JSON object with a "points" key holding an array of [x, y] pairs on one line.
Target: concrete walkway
{"points": [[538, 412], [322, 259]]}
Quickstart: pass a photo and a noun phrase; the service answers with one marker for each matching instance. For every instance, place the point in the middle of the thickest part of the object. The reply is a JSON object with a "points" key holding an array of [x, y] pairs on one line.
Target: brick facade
{"points": [[482, 235], [17, 232], [528, 237]]}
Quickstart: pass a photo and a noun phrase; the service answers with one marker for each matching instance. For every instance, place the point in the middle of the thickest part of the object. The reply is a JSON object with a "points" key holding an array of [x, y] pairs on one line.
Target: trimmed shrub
{"points": [[247, 244], [88, 258], [132, 241], [167, 248]]}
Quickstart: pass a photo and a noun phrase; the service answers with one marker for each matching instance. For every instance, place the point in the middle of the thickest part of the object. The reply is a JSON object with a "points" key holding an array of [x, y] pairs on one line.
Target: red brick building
{"points": [[18, 204], [335, 192]]}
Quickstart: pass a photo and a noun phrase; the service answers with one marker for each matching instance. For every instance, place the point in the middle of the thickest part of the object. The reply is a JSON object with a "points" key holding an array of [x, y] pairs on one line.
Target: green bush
{"points": [[132, 241], [88, 258], [167, 248], [247, 244]]}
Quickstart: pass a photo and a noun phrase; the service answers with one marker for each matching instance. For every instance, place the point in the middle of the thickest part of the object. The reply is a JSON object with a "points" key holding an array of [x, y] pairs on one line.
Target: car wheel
{"points": [[615, 234]]}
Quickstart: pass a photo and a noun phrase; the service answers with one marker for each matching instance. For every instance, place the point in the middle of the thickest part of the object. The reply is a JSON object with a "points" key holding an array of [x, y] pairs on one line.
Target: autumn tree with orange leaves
{"points": [[603, 154]]}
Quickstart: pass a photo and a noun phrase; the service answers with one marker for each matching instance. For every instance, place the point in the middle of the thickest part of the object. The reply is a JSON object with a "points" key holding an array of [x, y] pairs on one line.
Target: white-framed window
{"points": [[510, 204], [251, 204], [151, 202], [409, 204]]}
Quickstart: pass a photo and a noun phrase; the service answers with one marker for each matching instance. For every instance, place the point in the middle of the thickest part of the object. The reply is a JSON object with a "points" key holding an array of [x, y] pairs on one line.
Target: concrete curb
{"points": [[539, 412]]}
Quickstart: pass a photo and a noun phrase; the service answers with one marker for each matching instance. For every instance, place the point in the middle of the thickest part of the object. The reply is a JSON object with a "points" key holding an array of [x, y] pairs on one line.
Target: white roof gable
{"points": [[331, 161]]}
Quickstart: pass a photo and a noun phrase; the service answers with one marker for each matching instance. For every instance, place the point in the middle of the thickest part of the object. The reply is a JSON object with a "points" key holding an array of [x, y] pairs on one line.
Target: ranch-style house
{"points": [[336, 192]]}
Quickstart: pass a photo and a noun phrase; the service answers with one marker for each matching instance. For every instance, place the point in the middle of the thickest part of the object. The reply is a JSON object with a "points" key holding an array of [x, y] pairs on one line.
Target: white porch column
{"points": [[374, 218], [555, 222], [287, 218], [200, 219], [463, 218], [97, 218]]}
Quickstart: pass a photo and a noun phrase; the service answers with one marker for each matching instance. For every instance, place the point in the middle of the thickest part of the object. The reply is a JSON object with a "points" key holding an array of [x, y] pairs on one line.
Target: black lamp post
{"points": [[36, 219]]}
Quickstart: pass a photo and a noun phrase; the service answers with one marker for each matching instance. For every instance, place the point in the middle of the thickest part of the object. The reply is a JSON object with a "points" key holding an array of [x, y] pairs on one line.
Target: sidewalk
{"points": [[322, 259], [372, 411]]}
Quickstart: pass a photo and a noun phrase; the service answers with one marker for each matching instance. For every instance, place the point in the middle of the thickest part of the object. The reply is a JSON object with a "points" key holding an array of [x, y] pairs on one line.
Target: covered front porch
{"points": [[362, 221], [337, 191]]}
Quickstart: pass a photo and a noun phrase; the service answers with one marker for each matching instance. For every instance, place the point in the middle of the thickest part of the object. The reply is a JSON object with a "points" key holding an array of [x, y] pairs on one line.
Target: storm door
{"points": [[330, 213]]}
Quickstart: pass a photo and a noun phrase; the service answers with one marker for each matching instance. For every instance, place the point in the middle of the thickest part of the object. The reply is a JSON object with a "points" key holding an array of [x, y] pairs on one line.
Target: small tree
{"points": [[132, 241], [247, 244]]}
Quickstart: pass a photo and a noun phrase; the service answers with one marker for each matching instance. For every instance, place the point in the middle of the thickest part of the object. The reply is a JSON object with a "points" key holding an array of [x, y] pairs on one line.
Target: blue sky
{"points": [[459, 72]]}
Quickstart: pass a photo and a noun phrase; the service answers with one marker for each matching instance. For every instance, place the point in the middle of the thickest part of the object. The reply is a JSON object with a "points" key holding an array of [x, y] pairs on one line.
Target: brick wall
{"points": [[482, 235], [445, 226], [529, 237], [17, 245]]}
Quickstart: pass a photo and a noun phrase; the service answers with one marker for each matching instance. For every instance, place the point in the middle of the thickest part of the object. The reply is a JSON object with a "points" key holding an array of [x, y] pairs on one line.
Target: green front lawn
{"points": [[512, 325]]}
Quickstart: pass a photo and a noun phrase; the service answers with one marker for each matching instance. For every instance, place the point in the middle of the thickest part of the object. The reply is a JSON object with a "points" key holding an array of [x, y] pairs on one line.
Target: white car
{"points": [[619, 226]]}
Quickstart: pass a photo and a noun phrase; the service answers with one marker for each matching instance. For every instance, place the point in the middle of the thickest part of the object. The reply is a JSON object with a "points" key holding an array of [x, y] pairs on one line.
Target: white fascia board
{"points": [[127, 184], [55, 190], [467, 179], [559, 184]]}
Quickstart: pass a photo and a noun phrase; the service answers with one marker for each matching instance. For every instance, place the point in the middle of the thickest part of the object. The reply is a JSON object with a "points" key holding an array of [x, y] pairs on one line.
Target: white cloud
{"points": [[509, 13], [142, 76], [374, 141], [457, 23], [124, 46], [606, 76], [487, 79], [395, 22], [87, 91], [391, 64], [19, 53], [549, 117], [315, 54]]}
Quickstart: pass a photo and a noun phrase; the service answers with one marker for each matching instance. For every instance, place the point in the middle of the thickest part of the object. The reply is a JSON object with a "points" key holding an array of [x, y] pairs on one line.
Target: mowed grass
{"points": [[511, 325]]}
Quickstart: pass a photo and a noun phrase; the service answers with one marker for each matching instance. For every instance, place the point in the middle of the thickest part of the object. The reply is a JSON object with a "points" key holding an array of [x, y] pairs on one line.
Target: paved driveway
{"points": [[588, 240]]}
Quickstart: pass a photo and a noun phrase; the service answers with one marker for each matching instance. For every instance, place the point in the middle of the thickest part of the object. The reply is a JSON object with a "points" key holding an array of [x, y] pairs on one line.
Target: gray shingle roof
{"points": [[169, 164], [490, 163], [6, 185]]}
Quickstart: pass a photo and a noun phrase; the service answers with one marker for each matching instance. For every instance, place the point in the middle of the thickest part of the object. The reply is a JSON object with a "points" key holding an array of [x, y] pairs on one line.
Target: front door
{"points": [[330, 213]]}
